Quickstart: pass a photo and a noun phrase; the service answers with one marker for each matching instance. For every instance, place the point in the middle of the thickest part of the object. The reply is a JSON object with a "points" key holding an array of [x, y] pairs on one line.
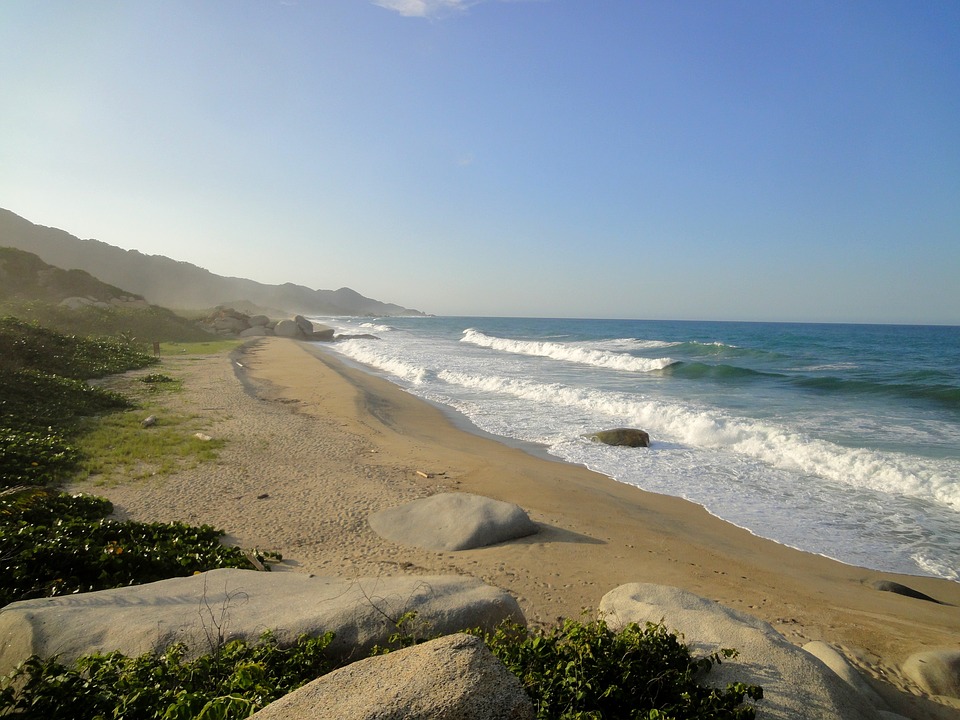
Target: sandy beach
{"points": [[314, 446]]}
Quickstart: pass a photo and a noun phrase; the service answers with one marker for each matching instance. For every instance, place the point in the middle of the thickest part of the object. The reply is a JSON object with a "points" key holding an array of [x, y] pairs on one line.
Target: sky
{"points": [[796, 160]]}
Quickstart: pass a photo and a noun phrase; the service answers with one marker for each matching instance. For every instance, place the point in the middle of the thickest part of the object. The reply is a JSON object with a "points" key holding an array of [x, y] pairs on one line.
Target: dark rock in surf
{"points": [[895, 587], [629, 437]]}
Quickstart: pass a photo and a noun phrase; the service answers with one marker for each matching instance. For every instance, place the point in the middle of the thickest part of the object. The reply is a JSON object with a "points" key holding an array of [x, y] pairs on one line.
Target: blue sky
{"points": [[676, 160]]}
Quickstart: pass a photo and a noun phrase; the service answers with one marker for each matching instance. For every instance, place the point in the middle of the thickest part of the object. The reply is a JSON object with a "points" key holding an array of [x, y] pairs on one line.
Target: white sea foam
{"points": [[368, 353], [376, 327], [567, 352], [701, 428], [625, 344], [935, 567]]}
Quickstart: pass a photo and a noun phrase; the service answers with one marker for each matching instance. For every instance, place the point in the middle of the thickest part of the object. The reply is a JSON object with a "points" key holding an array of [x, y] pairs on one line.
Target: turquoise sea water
{"points": [[842, 440]]}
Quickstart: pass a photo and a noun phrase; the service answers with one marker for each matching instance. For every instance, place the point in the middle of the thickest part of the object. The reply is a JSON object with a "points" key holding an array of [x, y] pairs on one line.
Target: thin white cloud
{"points": [[425, 8]]}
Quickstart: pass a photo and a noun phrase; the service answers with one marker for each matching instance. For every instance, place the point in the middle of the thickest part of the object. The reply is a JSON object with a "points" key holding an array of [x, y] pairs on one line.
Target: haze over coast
{"points": [[694, 161]]}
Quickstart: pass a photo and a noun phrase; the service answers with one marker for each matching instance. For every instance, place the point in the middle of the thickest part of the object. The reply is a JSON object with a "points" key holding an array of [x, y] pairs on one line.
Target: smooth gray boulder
{"points": [[306, 327], [844, 670], [258, 320], [212, 607], [628, 437], [796, 685], [451, 678], [287, 329], [452, 521], [935, 671]]}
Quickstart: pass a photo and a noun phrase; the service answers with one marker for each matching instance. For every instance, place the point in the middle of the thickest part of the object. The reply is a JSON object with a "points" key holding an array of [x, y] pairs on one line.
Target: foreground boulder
{"points": [[220, 605], [452, 678], [936, 671], [795, 684], [452, 521], [629, 437], [844, 670]]}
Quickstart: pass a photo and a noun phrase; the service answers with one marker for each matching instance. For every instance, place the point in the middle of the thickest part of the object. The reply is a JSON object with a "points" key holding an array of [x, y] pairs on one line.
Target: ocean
{"points": [[841, 440]]}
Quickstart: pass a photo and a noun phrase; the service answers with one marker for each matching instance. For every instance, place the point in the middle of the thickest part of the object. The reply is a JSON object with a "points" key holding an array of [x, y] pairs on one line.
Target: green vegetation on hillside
{"points": [[33, 290]]}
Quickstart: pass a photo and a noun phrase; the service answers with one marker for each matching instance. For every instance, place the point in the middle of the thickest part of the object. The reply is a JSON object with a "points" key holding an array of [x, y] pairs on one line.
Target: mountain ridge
{"points": [[178, 284]]}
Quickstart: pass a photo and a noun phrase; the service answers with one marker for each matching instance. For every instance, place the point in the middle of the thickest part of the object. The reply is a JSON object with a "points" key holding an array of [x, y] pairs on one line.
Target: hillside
{"points": [[179, 285], [75, 302]]}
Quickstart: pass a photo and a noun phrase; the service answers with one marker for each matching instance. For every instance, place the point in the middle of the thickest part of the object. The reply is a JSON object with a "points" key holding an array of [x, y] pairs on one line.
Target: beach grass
{"points": [[117, 447], [206, 347]]}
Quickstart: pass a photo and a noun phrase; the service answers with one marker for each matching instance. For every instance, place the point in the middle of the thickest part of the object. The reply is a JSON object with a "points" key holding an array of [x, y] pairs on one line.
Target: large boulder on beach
{"points": [[452, 521], [306, 327], [221, 605], [935, 671], [451, 678], [287, 329], [796, 685], [322, 332], [629, 437], [830, 657]]}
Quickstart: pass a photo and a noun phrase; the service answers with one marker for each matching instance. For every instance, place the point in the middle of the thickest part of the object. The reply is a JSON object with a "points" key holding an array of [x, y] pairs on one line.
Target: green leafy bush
{"points": [[52, 543], [585, 671], [32, 405], [30, 398], [578, 671], [27, 345], [35, 457], [233, 682]]}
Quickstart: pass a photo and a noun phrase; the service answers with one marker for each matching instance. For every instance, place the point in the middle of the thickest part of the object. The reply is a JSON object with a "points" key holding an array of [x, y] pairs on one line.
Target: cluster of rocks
{"points": [[454, 676], [121, 301], [233, 323]]}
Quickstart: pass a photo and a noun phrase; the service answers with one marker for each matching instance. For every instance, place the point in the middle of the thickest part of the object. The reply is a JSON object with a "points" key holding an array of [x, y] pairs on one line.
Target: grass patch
{"points": [[118, 447], [207, 347]]}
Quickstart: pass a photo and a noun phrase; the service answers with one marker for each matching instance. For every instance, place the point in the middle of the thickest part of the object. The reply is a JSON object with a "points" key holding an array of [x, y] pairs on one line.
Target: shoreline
{"points": [[314, 446], [462, 422]]}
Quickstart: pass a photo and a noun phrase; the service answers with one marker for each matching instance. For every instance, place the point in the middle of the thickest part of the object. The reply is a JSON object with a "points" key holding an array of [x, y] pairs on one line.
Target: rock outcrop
{"points": [[225, 604], [796, 685], [452, 521], [451, 678], [233, 323], [629, 437]]}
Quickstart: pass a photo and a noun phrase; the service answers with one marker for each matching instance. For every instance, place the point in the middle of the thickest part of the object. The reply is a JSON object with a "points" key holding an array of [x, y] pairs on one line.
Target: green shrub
{"points": [[52, 543], [585, 671], [35, 457], [233, 682], [32, 399], [28, 345], [578, 671]]}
